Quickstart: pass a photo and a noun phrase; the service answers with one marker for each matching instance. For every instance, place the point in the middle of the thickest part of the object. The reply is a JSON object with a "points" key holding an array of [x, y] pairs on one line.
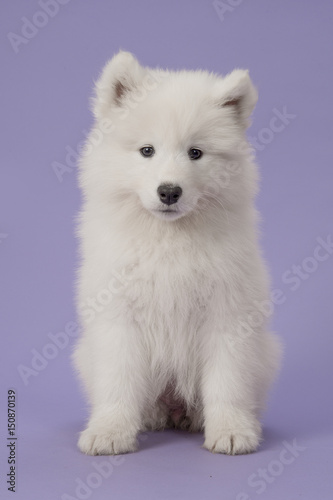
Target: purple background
{"points": [[44, 106]]}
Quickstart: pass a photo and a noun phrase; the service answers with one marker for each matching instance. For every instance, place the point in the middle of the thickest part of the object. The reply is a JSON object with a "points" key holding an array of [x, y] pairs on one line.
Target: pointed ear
{"points": [[120, 76], [237, 92]]}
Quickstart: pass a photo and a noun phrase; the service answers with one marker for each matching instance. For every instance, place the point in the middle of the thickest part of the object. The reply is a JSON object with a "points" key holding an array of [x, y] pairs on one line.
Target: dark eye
{"points": [[147, 151], [194, 153]]}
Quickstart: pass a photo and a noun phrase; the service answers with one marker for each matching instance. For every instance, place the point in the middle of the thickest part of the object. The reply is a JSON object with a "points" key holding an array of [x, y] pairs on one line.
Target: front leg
{"points": [[117, 382], [231, 373]]}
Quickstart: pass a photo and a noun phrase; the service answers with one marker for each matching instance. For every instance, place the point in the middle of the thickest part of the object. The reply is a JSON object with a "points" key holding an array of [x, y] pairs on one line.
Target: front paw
{"points": [[234, 441], [102, 443]]}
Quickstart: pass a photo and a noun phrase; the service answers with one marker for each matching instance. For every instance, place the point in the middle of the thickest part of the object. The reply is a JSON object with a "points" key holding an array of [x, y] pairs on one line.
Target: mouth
{"points": [[167, 213]]}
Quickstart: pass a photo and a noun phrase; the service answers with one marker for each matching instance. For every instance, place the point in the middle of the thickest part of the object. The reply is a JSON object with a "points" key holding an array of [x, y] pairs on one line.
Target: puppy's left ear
{"points": [[237, 93]]}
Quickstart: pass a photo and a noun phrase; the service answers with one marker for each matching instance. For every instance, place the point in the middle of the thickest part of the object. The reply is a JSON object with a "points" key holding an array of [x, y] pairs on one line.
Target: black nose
{"points": [[169, 194]]}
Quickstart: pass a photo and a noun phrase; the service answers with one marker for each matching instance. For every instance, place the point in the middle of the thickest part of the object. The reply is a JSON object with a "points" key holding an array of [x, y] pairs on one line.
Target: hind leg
{"points": [[190, 419], [155, 417], [196, 419]]}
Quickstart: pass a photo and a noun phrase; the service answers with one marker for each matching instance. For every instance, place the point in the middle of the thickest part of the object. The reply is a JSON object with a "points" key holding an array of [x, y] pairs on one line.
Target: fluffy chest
{"points": [[170, 289]]}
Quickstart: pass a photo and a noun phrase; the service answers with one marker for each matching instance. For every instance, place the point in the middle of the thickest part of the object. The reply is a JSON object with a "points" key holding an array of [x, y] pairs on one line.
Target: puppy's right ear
{"points": [[119, 77]]}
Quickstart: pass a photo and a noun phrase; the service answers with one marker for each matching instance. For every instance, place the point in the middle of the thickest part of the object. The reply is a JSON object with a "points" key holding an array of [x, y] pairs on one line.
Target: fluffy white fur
{"points": [[167, 299]]}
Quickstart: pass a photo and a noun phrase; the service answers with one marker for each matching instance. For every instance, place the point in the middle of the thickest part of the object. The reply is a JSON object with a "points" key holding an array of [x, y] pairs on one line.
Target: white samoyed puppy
{"points": [[172, 288]]}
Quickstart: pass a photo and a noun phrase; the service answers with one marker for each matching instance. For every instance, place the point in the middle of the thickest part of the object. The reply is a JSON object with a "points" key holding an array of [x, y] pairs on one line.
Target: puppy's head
{"points": [[175, 141]]}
